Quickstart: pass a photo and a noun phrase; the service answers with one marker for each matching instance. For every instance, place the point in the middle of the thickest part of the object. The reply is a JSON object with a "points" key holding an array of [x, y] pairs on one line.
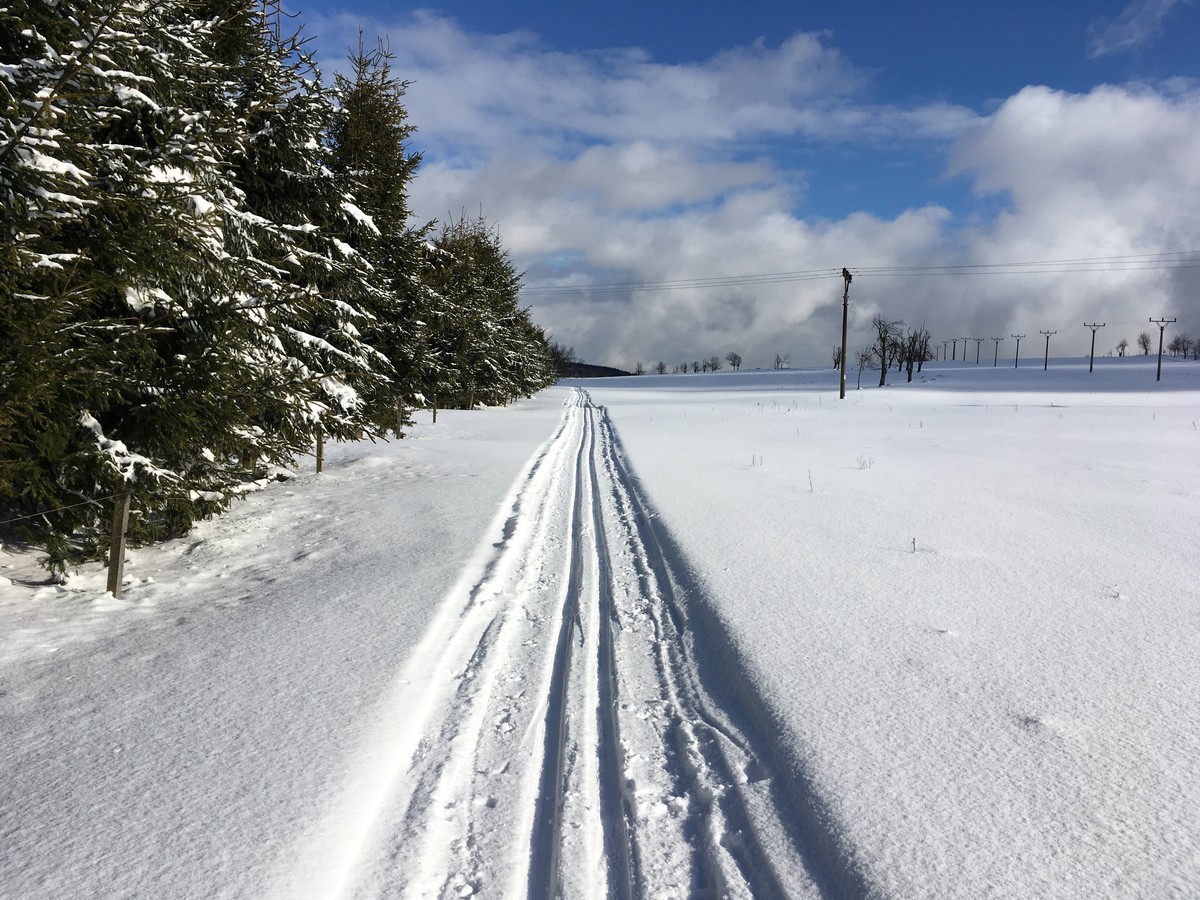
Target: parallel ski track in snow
{"points": [[551, 736]]}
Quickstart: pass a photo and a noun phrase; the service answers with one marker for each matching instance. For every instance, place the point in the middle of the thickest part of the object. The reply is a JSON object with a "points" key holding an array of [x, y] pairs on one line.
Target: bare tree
{"points": [[865, 359], [781, 361], [1122, 346], [695, 365], [714, 364], [734, 360], [887, 344], [639, 369], [1143, 342], [914, 350], [562, 357], [660, 367], [837, 356]]}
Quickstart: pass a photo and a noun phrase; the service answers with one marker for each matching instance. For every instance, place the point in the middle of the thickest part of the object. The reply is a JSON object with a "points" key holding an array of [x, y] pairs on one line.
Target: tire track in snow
{"points": [[550, 736]]}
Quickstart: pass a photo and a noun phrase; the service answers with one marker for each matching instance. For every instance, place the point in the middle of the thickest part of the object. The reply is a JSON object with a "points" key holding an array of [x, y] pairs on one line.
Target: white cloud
{"points": [[1103, 174], [1139, 24], [609, 167]]}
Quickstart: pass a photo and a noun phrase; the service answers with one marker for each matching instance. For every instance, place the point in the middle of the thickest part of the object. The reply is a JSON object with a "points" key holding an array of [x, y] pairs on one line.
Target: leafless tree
{"points": [[1143, 342], [639, 369], [714, 364], [887, 344], [660, 367], [914, 350], [865, 359], [1122, 345], [734, 360], [781, 361], [562, 357], [837, 356], [695, 365]]}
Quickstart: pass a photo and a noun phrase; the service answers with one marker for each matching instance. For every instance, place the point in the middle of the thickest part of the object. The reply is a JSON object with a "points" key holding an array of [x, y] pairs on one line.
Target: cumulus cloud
{"points": [[1109, 173], [607, 168], [1139, 24]]}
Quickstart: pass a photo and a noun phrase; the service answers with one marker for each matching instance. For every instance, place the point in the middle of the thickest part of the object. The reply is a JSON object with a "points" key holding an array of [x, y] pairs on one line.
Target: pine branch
{"points": [[69, 72]]}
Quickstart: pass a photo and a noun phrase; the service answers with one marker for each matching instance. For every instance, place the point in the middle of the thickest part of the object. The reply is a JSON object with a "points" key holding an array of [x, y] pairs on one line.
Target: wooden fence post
{"points": [[116, 547], [320, 451]]}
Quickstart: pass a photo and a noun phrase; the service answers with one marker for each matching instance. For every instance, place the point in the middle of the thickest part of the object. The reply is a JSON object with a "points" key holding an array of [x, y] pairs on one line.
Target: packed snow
{"points": [[694, 635]]}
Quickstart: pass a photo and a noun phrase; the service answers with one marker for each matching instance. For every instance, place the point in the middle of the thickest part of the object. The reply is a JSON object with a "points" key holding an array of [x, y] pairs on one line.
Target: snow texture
{"points": [[718, 635]]}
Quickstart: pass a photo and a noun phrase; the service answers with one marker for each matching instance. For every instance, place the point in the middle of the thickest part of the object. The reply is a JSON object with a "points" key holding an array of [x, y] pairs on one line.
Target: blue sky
{"points": [[702, 142]]}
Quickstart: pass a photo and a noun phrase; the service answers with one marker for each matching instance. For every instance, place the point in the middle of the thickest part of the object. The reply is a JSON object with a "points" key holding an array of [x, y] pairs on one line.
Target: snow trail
{"points": [[551, 736]]}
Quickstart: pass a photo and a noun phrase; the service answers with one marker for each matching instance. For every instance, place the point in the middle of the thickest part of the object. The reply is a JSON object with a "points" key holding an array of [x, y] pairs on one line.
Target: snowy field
{"points": [[718, 635]]}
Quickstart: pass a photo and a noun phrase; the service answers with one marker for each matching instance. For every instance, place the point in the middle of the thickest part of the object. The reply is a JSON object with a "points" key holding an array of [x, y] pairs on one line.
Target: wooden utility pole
{"points": [[1017, 355], [1162, 326], [978, 344], [1046, 363], [996, 355], [116, 546], [1095, 326], [847, 278]]}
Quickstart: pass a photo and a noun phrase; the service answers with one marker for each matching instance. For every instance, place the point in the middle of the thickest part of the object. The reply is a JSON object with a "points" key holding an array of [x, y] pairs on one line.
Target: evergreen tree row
{"points": [[208, 259]]}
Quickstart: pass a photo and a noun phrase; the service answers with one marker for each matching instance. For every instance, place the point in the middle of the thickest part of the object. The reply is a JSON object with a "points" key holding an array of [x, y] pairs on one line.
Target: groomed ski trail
{"points": [[550, 736]]}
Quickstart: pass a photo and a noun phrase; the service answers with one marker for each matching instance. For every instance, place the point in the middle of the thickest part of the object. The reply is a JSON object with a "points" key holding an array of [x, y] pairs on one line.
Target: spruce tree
{"points": [[369, 143], [170, 252], [488, 348]]}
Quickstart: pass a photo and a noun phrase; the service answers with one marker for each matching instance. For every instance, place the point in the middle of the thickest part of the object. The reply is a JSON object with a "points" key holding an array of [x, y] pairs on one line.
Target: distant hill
{"points": [[586, 370]]}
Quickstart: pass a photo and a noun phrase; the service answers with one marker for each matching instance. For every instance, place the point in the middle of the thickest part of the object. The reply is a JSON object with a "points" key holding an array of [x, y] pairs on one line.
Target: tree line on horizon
{"points": [[209, 263]]}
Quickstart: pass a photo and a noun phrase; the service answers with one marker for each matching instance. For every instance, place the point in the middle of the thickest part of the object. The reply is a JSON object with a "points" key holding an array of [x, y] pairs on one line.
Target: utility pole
{"points": [[965, 348], [954, 350], [1017, 355], [996, 357], [945, 348], [1162, 326], [978, 342], [1046, 363], [846, 277], [1092, 356]]}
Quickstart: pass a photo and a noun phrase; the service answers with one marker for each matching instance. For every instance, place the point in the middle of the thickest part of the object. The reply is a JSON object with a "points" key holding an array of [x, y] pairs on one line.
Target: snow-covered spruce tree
{"points": [[486, 343], [164, 253], [108, 242], [368, 140], [316, 291]]}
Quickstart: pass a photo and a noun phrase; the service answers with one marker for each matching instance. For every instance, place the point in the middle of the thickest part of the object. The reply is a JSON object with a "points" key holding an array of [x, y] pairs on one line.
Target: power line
{"points": [[684, 284], [1173, 259]]}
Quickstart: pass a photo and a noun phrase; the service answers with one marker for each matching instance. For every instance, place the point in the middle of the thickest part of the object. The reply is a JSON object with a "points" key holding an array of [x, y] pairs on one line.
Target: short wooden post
{"points": [[320, 451], [116, 547], [435, 409]]}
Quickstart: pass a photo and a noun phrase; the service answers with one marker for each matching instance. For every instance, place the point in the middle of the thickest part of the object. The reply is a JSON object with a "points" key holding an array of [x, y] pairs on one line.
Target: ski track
{"points": [[551, 735]]}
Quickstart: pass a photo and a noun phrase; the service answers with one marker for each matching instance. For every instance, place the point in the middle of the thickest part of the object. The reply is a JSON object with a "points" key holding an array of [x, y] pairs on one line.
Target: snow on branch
{"points": [[124, 462]]}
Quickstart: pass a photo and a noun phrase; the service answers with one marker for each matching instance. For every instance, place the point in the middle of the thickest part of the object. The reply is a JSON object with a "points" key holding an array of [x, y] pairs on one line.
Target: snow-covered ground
{"points": [[657, 636]]}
